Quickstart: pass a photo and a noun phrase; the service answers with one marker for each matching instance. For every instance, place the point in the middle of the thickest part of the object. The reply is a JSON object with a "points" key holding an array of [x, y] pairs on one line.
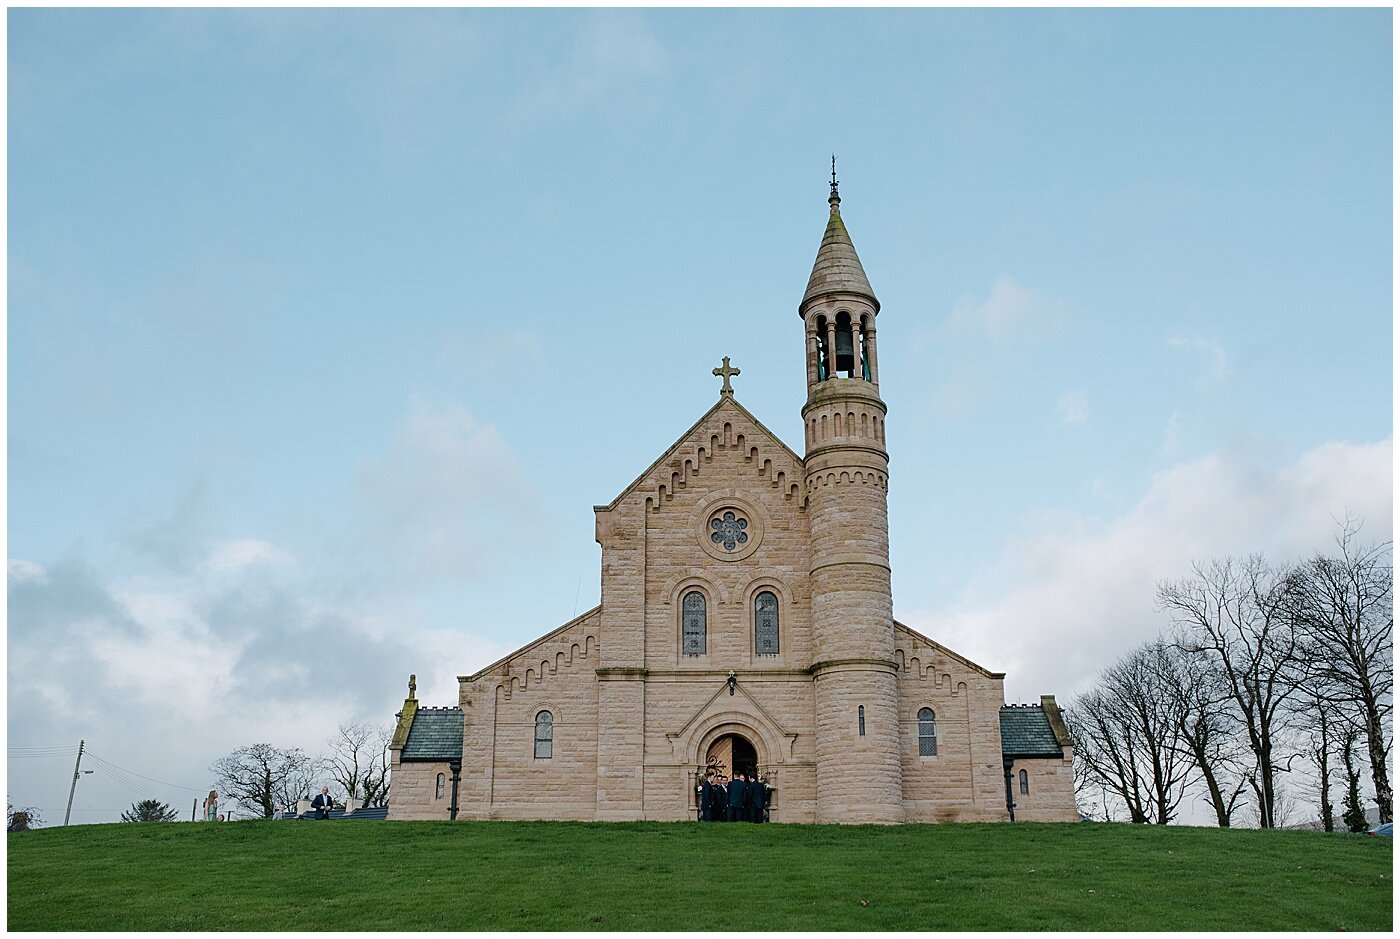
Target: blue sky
{"points": [[328, 328]]}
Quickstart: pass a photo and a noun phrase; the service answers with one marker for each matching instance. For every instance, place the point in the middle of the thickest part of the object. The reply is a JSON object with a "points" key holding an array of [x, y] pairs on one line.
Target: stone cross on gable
{"points": [[726, 372]]}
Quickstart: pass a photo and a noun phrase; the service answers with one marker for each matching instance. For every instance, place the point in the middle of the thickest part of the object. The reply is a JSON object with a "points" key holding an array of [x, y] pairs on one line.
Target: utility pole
{"points": [[77, 769]]}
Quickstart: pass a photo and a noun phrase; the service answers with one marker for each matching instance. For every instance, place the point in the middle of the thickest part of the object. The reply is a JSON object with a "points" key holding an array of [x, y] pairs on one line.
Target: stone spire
{"points": [[837, 268]]}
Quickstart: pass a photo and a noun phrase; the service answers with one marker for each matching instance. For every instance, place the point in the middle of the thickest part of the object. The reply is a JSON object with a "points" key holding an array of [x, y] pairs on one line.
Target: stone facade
{"points": [[613, 714]]}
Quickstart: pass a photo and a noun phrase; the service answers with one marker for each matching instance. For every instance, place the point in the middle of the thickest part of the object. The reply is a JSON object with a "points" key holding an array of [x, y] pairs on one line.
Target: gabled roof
{"points": [[947, 651], [724, 401], [837, 268], [435, 735], [537, 641], [1026, 732]]}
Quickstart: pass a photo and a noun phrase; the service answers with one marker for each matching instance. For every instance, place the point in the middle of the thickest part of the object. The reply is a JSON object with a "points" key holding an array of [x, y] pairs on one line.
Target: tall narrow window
{"points": [[544, 735], [765, 624], [441, 785], [1025, 784], [928, 733], [860, 719], [693, 623]]}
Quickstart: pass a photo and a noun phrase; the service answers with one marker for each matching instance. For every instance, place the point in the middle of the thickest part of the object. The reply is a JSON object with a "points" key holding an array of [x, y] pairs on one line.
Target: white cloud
{"points": [[1171, 434], [1217, 364], [1071, 593], [22, 571], [245, 552], [1072, 407], [1008, 311], [447, 498]]}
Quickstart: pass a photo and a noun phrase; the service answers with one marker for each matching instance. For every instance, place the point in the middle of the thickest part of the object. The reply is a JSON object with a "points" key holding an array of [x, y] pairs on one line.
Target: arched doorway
{"points": [[732, 754]]}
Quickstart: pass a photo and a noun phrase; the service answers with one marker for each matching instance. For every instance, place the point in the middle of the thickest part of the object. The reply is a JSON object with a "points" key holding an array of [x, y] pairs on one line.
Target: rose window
{"points": [[729, 530]]}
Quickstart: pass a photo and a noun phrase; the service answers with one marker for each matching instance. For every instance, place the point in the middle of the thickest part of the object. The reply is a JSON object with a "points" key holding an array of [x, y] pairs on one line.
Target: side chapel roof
{"points": [[434, 736], [1027, 731]]}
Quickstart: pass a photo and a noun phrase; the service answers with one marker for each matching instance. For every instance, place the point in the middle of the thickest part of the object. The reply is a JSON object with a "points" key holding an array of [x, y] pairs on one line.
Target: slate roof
{"points": [[436, 735], [1026, 732]]}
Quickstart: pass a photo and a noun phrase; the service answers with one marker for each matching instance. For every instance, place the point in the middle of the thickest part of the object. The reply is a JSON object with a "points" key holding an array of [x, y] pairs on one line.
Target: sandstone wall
{"points": [[501, 776], [413, 791], [964, 782], [1051, 795]]}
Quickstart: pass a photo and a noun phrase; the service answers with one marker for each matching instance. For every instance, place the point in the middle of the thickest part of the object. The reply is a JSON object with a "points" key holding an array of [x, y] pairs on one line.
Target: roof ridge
{"points": [[682, 438]]}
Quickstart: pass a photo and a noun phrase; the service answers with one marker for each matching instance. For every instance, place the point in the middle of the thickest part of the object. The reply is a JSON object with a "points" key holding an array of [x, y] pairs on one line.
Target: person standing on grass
{"points": [[736, 798], [757, 793], [322, 803], [720, 804], [706, 796]]}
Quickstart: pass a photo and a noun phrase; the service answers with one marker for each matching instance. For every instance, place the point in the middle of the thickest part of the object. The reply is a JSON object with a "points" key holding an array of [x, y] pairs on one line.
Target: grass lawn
{"points": [[651, 875]]}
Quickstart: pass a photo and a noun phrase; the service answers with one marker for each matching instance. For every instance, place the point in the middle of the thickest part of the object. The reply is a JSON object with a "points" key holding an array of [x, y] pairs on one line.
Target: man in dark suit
{"points": [[720, 801], [706, 792], [322, 804], [738, 795], [758, 792]]}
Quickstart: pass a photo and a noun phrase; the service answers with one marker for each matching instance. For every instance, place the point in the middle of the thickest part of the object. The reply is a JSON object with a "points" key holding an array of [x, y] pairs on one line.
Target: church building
{"points": [[746, 624]]}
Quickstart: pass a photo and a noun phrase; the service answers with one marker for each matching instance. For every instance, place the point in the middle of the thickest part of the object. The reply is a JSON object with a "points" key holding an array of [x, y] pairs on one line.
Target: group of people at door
{"points": [[745, 798]]}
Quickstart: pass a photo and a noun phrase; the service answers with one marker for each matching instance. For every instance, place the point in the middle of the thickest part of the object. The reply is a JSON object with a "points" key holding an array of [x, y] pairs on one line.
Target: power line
{"points": [[121, 769], [38, 746]]}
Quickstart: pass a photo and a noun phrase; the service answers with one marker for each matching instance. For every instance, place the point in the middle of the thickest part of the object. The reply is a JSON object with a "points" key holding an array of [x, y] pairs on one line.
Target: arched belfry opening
{"points": [[842, 346], [731, 754]]}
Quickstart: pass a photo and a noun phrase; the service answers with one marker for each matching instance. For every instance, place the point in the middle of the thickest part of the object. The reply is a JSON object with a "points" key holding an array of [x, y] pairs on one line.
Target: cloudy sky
{"points": [[327, 329]]}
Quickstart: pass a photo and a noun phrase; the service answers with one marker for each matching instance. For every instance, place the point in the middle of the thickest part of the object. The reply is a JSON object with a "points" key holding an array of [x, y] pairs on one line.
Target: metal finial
{"points": [[835, 197]]}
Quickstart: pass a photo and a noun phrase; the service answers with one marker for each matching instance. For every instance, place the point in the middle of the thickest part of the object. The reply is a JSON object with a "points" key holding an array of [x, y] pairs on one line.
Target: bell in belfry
{"points": [[845, 351]]}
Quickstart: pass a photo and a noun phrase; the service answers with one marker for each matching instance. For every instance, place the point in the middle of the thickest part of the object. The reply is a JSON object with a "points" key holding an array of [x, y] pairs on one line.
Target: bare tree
{"points": [[1345, 613], [1205, 728], [23, 819], [1127, 733], [262, 776], [1353, 816], [359, 762], [1320, 749], [1236, 613]]}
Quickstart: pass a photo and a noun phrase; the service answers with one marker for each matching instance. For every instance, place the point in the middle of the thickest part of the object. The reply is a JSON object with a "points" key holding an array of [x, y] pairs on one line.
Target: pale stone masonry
{"points": [[746, 622]]}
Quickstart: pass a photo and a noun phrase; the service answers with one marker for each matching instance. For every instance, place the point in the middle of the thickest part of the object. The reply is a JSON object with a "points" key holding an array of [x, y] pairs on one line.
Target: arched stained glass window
{"points": [[860, 719], [928, 733], [441, 785], [1025, 784], [544, 735], [765, 624], [693, 623]]}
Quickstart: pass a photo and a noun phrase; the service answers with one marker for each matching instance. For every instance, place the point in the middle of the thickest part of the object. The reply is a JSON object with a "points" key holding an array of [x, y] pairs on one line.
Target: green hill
{"points": [[559, 875]]}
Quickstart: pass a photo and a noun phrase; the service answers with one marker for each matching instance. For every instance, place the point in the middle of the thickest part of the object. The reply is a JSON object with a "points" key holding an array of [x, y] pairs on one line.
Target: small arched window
{"points": [[928, 733], [765, 624], [544, 735], [441, 785], [693, 623], [1025, 784], [860, 719]]}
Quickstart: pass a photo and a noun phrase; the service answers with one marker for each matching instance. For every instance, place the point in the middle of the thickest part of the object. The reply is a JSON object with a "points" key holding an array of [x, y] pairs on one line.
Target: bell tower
{"points": [[859, 777]]}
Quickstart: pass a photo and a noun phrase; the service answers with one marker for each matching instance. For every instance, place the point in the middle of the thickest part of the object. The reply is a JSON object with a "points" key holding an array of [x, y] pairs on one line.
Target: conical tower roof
{"points": [[837, 268]]}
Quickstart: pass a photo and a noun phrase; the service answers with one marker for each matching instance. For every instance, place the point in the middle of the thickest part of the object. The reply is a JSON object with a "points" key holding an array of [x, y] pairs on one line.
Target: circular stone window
{"points": [[729, 531]]}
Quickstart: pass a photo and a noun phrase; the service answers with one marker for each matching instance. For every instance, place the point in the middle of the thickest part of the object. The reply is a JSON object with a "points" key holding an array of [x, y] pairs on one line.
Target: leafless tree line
{"points": [[1266, 670], [355, 767]]}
